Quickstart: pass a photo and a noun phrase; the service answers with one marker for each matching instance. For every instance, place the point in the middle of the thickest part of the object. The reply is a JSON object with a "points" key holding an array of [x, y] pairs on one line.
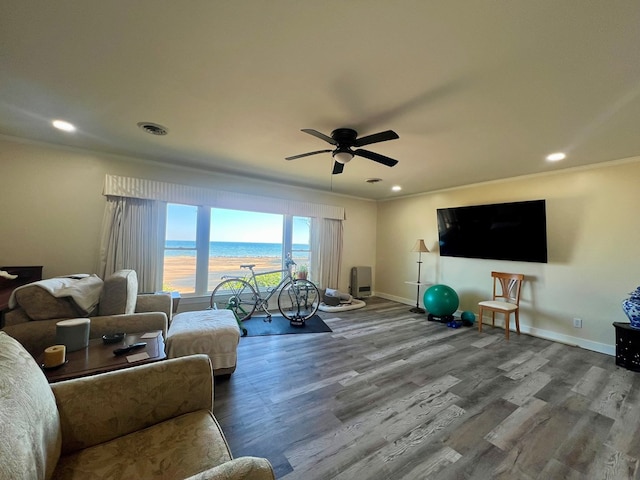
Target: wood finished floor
{"points": [[389, 395]]}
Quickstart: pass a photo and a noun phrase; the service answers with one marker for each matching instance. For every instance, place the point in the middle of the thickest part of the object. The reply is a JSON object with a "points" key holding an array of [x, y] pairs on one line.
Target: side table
{"points": [[24, 275], [627, 346], [175, 299], [98, 357]]}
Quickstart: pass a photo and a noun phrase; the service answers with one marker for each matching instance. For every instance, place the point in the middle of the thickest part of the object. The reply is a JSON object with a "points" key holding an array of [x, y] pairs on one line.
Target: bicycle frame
{"points": [[251, 279], [298, 299]]}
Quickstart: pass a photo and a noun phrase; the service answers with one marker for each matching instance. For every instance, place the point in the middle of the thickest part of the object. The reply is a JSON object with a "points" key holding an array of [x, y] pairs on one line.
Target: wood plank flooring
{"points": [[390, 395]]}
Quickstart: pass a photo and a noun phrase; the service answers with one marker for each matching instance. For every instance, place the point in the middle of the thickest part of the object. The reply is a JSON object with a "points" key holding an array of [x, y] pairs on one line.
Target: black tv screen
{"points": [[503, 231]]}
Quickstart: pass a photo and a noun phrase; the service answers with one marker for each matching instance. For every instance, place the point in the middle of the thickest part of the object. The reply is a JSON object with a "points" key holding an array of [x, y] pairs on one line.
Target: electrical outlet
{"points": [[577, 323]]}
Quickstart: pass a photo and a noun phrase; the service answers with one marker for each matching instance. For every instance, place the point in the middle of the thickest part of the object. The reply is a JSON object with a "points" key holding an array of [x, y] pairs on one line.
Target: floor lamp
{"points": [[421, 248]]}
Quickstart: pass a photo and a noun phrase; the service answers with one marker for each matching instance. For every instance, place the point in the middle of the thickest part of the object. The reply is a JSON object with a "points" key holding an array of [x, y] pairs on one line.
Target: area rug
{"points": [[256, 326]]}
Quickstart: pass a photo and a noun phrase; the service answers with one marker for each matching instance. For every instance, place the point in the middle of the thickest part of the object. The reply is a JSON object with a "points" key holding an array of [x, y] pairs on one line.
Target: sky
{"points": [[232, 225]]}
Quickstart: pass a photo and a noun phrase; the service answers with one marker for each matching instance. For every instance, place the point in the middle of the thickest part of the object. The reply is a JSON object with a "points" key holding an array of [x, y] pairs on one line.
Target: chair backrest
{"points": [[510, 285]]}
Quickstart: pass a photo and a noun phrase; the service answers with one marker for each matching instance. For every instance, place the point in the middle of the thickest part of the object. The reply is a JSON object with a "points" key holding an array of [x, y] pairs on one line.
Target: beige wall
{"points": [[593, 242], [52, 205], [52, 210]]}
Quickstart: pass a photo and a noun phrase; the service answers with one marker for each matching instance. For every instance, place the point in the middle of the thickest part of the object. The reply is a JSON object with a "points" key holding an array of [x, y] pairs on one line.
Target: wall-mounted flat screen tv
{"points": [[503, 231]]}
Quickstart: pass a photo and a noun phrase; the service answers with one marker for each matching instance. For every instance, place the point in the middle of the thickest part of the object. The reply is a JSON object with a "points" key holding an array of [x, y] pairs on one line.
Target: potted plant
{"points": [[302, 272]]}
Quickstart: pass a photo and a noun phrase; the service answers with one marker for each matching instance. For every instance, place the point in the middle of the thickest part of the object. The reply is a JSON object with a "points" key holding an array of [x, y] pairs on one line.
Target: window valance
{"points": [[118, 186]]}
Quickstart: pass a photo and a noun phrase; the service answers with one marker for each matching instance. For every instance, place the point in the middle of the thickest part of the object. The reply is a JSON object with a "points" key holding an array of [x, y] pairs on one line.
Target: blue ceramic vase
{"points": [[631, 307]]}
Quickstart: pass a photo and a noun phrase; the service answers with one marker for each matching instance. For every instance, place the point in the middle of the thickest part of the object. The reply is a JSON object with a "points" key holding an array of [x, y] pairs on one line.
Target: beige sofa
{"points": [[153, 421], [118, 308]]}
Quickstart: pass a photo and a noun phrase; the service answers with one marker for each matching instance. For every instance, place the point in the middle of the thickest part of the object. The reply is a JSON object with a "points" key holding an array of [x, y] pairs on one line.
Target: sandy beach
{"points": [[179, 272]]}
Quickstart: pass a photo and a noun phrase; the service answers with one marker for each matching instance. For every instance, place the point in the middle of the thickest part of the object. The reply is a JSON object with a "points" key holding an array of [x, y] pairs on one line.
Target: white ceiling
{"points": [[476, 89]]}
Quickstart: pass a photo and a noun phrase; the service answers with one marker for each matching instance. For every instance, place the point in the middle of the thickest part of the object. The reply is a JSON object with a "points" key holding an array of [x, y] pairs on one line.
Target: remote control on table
{"points": [[128, 348]]}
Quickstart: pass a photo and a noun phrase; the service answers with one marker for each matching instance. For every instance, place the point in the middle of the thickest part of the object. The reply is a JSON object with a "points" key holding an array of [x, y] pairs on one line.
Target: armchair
{"points": [[150, 421], [35, 312]]}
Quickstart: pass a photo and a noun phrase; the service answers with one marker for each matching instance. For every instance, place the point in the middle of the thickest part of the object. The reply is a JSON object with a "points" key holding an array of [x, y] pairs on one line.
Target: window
{"points": [[240, 237], [202, 244], [300, 237], [180, 249]]}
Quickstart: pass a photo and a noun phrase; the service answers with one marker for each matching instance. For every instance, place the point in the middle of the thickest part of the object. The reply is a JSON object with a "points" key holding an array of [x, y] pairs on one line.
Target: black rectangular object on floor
{"points": [[257, 326], [627, 346]]}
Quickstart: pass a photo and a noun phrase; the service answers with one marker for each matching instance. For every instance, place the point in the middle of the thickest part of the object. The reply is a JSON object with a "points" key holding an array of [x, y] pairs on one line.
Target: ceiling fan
{"points": [[345, 139]]}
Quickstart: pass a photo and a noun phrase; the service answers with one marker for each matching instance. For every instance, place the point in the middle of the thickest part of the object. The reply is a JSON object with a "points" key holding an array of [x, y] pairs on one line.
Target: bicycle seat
{"points": [[248, 266]]}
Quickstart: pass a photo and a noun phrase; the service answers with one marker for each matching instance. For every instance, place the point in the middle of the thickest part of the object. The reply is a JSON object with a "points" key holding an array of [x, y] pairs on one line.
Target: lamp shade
{"points": [[420, 246]]}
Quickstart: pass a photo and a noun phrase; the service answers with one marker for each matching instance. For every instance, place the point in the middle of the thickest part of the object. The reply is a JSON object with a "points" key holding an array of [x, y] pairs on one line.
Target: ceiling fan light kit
{"points": [[342, 157], [345, 139]]}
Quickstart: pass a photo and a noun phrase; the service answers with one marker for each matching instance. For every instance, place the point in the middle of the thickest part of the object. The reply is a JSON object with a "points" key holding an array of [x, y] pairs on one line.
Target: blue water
{"points": [[230, 249]]}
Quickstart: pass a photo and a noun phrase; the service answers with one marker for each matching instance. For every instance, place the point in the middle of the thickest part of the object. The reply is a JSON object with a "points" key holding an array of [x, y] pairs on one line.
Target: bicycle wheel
{"points": [[298, 300], [235, 295]]}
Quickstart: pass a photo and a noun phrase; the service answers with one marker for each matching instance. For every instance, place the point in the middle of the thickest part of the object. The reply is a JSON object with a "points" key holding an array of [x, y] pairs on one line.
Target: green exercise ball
{"points": [[468, 316], [440, 300]]}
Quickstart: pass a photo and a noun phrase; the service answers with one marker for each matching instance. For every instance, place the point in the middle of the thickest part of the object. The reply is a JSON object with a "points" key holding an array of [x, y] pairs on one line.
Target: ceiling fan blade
{"points": [[376, 157], [321, 136], [375, 138], [307, 154], [337, 168]]}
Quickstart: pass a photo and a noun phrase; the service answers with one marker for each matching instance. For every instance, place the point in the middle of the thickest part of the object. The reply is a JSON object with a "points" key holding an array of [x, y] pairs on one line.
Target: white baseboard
{"points": [[406, 301], [534, 332], [570, 340]]}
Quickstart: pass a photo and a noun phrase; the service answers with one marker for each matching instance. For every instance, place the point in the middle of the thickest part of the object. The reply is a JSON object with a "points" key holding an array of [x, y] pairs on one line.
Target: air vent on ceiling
{"points": [[373, 180], [153, 128]]}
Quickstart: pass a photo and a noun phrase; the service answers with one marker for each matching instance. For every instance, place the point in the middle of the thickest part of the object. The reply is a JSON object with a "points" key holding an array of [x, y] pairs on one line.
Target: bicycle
{"points": [[298, 299]]}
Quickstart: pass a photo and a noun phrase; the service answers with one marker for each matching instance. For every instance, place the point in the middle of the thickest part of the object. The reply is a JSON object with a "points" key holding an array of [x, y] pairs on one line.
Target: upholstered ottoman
{"points": [[212, 332]]}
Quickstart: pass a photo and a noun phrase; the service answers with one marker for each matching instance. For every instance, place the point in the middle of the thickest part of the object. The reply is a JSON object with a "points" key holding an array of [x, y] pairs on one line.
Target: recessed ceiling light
{"points": [[64, 126], [396, 188], [556, 157]]}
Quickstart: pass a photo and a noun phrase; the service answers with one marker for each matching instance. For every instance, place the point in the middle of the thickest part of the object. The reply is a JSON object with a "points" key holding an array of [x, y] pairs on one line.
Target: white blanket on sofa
{"points": [[85, 291]]}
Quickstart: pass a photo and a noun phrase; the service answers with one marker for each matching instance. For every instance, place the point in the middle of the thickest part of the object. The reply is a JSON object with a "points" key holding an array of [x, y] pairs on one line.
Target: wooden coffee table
{"points": [[99, 358]]}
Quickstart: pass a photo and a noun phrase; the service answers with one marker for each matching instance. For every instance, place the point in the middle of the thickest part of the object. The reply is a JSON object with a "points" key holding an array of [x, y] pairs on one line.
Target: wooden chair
{"points": [[505, 300]]}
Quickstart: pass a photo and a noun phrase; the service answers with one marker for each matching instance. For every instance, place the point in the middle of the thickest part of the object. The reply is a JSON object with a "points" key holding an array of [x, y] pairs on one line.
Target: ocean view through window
{"points": [[203, 244]]}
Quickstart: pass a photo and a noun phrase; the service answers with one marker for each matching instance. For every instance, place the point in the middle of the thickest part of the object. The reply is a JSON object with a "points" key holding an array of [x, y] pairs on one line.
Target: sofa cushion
{"points": [[29, 421], [177, 448], [119, 293]]}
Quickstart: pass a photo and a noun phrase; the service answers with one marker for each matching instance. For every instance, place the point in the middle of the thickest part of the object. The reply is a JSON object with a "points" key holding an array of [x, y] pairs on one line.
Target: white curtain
{"points": [[326, 252], [134, 223], [130, 239]]}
